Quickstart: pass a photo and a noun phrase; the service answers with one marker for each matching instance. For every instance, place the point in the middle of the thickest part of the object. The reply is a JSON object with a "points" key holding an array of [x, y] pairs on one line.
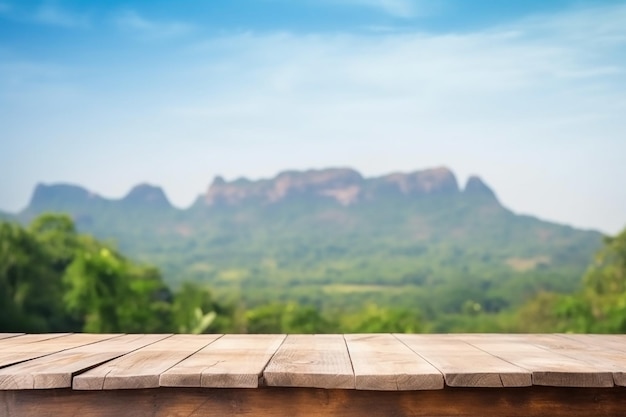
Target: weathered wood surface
{"points": [[381, 363], [464, 365], [142, 368], [318, 361], [7, 335], [22, 348], [376, 362], [56, 370], [233, 361], [295, 402], [549, 365], [609, 348]]}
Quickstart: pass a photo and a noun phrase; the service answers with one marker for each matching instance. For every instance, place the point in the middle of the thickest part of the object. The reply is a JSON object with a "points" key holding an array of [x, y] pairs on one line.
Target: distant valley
{"points": [[333, 238]]}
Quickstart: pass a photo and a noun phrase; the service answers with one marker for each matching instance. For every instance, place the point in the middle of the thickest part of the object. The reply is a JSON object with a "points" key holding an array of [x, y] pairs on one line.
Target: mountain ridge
{"points": [[266, 238], [346, 186], [333, 238]]}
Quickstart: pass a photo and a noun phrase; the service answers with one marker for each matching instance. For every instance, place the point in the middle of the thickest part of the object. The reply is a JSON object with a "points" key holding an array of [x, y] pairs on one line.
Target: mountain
{"points": [[62, 197], [74, 198], [146, 197], [6, 216], [337, 184], [332, 238], [344, 186], [476, 186]]}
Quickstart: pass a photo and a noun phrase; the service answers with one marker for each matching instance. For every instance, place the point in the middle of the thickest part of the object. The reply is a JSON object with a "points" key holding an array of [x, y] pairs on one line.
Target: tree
{"points": [[31, 286], [375, 319], [112, 294], [600, 307], [287, 318], [193, 309], [54, 279], [605, 288]]}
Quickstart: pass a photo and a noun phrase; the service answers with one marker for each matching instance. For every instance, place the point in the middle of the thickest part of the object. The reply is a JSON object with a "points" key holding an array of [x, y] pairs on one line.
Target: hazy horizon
{"points": [[530, 97]]}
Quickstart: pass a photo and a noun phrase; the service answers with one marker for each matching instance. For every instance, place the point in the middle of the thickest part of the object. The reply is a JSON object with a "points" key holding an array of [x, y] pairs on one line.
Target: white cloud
{"points": [[522, 104], [416, 65], [131, 21], [601, 25], [536, 107]]}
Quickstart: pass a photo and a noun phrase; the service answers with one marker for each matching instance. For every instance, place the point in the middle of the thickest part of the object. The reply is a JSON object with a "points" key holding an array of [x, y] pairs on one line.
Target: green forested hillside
{"points": [[55, 279], [599, 306], [338, 244]]}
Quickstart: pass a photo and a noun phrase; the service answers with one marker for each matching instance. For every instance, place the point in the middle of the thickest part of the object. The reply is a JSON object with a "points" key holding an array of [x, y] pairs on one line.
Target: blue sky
{"points": [[530, 95]]}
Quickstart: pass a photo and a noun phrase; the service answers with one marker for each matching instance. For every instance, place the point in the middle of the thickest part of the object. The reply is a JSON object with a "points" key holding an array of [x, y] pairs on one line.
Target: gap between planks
{"points": [[376, 362]]}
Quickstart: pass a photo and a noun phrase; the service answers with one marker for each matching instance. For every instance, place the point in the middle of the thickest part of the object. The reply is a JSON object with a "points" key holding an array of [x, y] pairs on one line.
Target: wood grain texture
{"points": [[294, 402], [318, 361], [464, 365], [233, 361], [381, 362], [605, 350], [365, 362], [548, 367], [56, 370], [26, 339], [604, 341], [22, 348], [143, 367], [7, 335]]}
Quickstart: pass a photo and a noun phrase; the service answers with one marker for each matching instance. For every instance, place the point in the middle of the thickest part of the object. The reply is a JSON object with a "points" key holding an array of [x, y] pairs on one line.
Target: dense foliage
{"points": [[451, 261], [599, 307], [53, 278]]}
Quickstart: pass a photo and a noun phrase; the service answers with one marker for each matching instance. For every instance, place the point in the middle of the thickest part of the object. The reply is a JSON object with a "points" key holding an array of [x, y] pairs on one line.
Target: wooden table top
{"points": [[381, 362]]}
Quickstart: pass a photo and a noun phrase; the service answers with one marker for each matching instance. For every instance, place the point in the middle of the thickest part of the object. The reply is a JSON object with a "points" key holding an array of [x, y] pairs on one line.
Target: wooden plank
{"points": [[547, 366], [22, 348], [464, 365], [56, 370], [319, 361], [7, 335], [233, 361], [606, 341], [26, 339], [294, 402], [381, 362], [143, 367], [601, 351]]}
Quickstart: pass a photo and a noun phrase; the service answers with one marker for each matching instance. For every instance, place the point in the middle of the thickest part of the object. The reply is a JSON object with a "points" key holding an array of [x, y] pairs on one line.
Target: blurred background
{"points": [[312, 166]]}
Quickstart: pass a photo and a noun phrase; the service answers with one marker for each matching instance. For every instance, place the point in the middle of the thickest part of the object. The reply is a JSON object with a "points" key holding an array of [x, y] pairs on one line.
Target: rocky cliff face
{"points": [[345, 186], [342, 185], [420, 183]]}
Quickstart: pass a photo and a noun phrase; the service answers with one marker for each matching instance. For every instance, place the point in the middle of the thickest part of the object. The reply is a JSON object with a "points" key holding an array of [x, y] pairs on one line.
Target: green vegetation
{"points": [[53, 278], [599, 307], [436, 260]]}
